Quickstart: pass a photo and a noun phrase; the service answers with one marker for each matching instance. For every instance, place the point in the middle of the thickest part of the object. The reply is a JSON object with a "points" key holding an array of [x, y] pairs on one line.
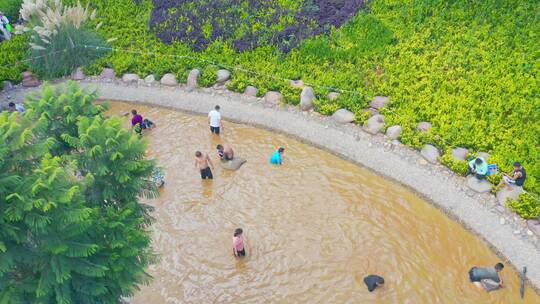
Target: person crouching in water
{"points": [[488, 278], [203, 163], [225, 152], [139, 124], [238, 243]]}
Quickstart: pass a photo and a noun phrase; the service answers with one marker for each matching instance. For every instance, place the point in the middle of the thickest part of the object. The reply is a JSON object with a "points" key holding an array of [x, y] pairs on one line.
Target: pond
{"points": [[314, 226]]}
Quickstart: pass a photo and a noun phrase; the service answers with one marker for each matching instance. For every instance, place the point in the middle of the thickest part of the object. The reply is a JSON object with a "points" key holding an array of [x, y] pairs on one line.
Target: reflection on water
{"points": [[314, 227]]}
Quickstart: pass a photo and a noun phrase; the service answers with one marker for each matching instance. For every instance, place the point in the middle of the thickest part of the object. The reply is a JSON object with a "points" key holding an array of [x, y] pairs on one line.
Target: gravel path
{"points": [[505, 232]]}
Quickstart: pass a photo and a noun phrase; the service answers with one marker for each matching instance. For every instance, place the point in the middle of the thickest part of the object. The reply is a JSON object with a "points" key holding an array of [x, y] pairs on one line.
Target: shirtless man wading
{"points": [[204, 163]]}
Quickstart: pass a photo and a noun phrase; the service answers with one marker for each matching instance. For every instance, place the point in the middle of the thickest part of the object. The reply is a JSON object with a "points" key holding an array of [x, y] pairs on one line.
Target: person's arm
{"points": [[209, 161], [196, 164]]}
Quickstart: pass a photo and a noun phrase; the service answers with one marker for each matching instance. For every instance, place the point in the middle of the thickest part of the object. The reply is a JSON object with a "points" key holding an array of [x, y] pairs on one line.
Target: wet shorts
{"points": [[214, 130], [206, 173], [472, 277], [242, 253]]}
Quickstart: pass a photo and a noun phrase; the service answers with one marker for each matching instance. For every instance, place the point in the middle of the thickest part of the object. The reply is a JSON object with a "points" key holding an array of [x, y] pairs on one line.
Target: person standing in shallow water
{"points": [[488, 278], [373, 281], [214, 120], [238, 243], [204, 163], [277, 157]]}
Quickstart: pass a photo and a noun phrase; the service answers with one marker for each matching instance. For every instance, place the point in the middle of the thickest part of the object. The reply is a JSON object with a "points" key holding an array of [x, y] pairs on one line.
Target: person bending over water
{"points": [[373, 281], [238, 243], [488, 278], [277, 157], [204, 163], [225, 152], [139, 123]]}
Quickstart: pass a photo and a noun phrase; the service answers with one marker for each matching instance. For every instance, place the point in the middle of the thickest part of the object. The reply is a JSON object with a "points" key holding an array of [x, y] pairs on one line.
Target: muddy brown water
{"points": [[314, 226]]}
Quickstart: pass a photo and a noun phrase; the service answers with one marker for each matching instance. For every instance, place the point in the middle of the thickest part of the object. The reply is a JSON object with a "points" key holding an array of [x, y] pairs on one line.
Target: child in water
{"points": [[238, 243]]}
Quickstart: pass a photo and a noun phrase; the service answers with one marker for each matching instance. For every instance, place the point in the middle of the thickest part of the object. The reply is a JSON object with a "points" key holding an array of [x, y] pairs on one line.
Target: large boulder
{"points": [[150, 79], [374, 124], [306, 98], [107, 74], [394, 132], [534, 226], [430, 153], [477, 185], [233, 164], [169, 80], [333, 95], [130, 78], [78, 74], [296, 83], [343, 116], [423, 126], [222, 76], [273, 97], [378, 102], [506, 193], [29, 80], [460, 153], [484, 155], [192, 79], [251, 91]]}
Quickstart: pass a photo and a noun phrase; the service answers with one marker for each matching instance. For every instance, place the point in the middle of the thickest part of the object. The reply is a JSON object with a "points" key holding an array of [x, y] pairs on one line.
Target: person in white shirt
{"points": [[4, 21], [12, 107], [214, 120]]}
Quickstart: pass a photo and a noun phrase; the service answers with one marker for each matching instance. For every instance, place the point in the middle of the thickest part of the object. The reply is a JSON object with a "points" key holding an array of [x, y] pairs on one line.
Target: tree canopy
{"points": [[71, 227]]}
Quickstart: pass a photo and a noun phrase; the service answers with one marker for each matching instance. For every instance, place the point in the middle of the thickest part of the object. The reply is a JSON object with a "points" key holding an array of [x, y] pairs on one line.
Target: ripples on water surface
{"points": [[314, 227]]}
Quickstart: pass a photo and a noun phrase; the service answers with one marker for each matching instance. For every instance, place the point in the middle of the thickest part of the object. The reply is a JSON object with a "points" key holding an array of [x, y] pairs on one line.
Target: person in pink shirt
{"points": [[238, 243]]}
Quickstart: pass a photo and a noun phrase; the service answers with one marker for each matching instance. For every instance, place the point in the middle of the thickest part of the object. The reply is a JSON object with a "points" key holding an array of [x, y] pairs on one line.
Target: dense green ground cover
{"points": [[469, 67]]}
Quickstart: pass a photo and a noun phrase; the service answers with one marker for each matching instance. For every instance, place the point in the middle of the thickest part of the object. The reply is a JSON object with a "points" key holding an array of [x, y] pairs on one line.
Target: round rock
{"points": [[273, 97], [306, 98], [460, 153], [430, 153], [483, 154], [394, 132], [78, 74], [251, 91], [374, 124], [223, 75], [333, 95], [169, 80], [505, 193], [150, 79], [423, 126], [192, 78], [130, 78], [343, 116], [477, 185], [378, 102], [107, 74]]}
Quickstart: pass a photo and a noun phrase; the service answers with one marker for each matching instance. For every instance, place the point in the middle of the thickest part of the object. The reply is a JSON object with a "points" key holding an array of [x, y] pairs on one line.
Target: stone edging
{"points": [[504, 231]]}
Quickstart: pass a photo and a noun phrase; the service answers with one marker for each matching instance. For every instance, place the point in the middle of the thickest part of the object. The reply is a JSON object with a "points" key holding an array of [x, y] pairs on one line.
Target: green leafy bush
{"points": [[458, 166], [11, 9], [208, 76], [71, 227], [12, 62], [467, 67], [527, 206]]}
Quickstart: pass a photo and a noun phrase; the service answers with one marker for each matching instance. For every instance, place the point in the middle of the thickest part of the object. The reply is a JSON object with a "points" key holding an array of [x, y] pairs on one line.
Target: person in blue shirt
{"points": [[277, 157], [478, 167]]}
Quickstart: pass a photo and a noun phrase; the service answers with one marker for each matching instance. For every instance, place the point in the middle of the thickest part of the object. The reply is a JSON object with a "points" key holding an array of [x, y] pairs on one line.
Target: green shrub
{"points": [[458, 166], [208, 76], [527, 205], [12, 58], [11, 9]]}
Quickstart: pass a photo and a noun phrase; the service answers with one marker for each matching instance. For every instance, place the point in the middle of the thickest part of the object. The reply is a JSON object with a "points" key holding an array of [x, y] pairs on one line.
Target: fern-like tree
{"points": [[71, 227]]}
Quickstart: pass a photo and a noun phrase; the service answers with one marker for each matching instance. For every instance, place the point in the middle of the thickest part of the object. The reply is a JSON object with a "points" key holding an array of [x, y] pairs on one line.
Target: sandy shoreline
{"points": [[435, 183]]}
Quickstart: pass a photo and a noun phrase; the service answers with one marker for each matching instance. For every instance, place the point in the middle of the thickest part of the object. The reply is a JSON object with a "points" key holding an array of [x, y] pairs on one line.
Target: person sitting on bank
{"points": [[373, 281], [277, 157], [517, 179], [5, 27], [225, 152], [478, 167], [488, 278]]}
